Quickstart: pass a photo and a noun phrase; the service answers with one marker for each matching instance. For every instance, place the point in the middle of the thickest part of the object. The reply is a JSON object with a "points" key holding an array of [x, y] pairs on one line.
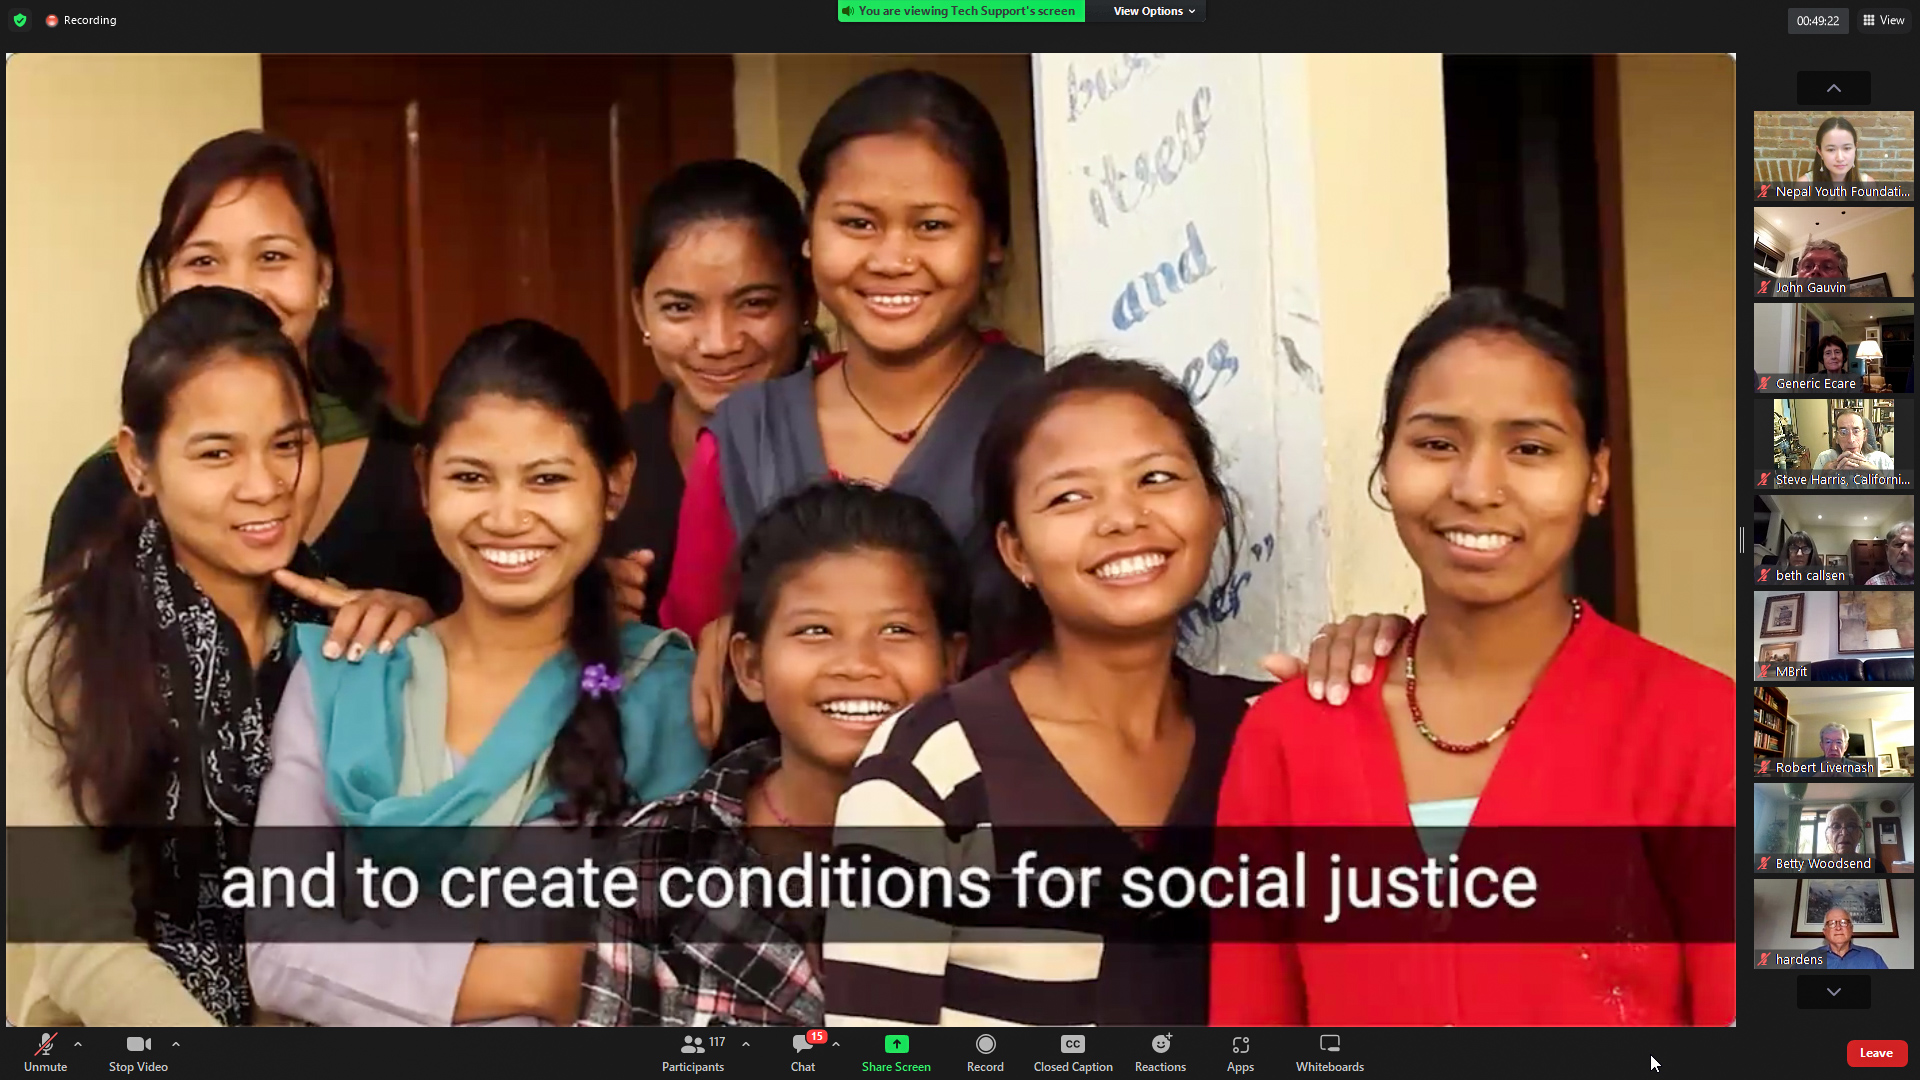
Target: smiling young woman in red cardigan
{"points": [[1510, 704]]}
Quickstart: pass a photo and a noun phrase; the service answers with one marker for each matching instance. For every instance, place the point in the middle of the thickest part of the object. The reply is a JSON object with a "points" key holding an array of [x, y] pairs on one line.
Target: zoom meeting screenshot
{"points": [[952, 537]]}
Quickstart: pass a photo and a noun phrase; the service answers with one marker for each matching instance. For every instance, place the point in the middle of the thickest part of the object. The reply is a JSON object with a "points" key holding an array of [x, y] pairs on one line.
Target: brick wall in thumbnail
{"points": [[1783, 144]]}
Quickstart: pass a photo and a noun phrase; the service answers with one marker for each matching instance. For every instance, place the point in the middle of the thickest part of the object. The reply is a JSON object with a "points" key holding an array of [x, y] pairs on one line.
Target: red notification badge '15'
{"points": [[818, 1036]]}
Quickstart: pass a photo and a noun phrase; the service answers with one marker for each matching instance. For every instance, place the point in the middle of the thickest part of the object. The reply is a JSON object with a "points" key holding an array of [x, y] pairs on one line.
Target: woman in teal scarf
{"points": [[529, 704]]}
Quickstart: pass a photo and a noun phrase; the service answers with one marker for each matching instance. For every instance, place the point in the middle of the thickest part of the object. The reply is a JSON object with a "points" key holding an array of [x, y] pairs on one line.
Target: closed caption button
{"points": [[1877, 1053]]}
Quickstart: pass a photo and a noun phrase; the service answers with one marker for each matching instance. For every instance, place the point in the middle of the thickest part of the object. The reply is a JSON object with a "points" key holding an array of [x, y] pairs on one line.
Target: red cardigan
{"points": [[1618, 731]]}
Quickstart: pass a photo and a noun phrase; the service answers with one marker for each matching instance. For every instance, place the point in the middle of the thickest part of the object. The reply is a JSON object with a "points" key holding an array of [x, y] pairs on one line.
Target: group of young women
{"points": [[919, 588]]}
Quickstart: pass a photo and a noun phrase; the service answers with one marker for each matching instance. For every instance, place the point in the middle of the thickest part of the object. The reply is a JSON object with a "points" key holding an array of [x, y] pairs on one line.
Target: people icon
{"points": [[691, 1045]]}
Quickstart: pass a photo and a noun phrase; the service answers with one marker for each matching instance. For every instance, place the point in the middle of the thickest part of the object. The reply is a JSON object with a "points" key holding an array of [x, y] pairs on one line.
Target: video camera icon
{"points": [[136, 1044]]}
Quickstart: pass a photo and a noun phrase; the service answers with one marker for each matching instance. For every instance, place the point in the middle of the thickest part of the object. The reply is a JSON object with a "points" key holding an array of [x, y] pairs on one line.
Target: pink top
{"points": [[698, 590]]}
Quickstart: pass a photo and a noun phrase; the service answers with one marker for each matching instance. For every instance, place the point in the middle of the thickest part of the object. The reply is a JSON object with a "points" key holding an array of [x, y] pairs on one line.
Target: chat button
{"points": [[807, 1040], [1073, 1044]]}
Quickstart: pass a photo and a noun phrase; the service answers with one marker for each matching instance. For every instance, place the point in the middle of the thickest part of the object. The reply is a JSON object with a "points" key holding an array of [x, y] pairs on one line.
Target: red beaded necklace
{"points": [[1420, 722]]}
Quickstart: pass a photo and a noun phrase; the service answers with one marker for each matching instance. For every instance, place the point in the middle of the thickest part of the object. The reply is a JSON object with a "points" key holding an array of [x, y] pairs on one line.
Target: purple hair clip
{"points": [[597, 680]]}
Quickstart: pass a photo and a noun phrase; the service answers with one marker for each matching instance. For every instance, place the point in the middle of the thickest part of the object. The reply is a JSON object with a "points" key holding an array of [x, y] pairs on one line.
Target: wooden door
{"points": [[1869, 559], [1888, 843], [468, 190]]}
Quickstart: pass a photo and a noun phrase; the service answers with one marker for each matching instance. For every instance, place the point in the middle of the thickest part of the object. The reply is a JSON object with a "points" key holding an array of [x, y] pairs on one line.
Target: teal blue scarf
{"points": [[360, 715]]}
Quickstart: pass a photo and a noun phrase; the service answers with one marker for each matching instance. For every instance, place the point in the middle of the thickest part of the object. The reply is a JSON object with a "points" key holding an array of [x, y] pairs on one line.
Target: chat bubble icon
{"points": [[800, 1042]]}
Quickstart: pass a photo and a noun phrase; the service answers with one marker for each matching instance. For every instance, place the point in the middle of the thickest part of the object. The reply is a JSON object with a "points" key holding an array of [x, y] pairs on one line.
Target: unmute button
{"points": [[1147, 11]]}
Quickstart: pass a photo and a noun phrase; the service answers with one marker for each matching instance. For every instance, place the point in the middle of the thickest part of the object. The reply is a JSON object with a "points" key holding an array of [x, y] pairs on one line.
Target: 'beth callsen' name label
{"points": [[1836, 480], [1774, 575]]}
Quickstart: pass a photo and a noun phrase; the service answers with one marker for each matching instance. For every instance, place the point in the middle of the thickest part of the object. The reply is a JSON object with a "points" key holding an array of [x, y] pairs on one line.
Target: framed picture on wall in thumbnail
{"points": [[1872, 285], [1875, 622], [1784, 615], [1868, 901]]}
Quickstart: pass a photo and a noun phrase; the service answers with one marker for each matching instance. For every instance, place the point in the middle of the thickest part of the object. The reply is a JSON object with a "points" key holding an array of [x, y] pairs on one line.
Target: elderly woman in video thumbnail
{"points": [[1511, 703]]}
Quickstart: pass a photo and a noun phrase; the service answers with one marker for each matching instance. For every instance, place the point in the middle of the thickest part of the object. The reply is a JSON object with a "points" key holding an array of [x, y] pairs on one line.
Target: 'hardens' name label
{"points": [[1814, 959]]}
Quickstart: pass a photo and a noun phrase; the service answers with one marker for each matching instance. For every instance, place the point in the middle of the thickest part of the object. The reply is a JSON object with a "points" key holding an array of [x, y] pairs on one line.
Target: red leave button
{"points": [[1877, 1053]]}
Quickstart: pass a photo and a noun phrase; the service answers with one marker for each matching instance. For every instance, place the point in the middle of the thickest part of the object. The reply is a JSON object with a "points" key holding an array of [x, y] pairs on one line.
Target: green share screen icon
{"points": [[896, 1044]]}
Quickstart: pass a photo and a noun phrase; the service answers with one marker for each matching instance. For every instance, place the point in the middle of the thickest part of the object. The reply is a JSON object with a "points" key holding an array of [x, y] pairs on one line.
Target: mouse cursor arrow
{"points": [[1656, 1063]]}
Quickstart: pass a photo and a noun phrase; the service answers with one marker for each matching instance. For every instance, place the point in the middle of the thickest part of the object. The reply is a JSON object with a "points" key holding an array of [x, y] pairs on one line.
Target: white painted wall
{"points": [[1290, 319], [91, 142], [1177, 227], [1773, 338]]}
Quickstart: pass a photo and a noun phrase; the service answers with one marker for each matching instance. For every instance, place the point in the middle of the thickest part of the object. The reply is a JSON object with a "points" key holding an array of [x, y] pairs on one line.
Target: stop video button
{"points": [[1877, 1053]]}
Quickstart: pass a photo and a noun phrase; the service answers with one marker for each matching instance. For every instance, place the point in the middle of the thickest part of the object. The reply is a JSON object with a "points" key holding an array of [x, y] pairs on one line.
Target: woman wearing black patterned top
{"points": [[143, 682]]}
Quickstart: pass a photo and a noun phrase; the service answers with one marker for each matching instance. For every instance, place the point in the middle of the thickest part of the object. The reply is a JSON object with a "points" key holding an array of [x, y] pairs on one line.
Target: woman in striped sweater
{"points": [[1096, 749]]}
